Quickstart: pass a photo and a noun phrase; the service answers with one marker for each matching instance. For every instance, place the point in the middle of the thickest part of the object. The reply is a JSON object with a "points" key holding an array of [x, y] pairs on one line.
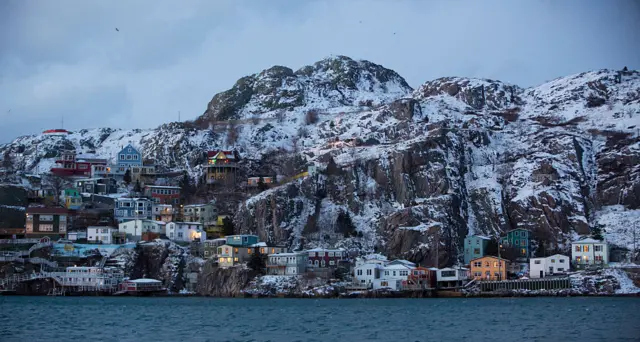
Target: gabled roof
{"points": [[398, 267], [489, 256], [480, 237], [587, 240], [129, 145], [221, 154]]}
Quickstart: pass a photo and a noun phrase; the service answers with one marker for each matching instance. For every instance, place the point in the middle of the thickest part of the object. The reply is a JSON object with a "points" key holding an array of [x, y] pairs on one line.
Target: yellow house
{"points": [[489, 268]]}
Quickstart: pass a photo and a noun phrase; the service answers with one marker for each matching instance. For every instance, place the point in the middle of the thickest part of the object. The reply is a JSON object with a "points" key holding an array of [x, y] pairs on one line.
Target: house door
{"points": [[541, 274], [551, 270]]}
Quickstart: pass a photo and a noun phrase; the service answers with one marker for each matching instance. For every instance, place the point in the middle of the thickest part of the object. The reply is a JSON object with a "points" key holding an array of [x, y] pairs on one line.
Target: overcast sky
{"points": [[65, 57]]}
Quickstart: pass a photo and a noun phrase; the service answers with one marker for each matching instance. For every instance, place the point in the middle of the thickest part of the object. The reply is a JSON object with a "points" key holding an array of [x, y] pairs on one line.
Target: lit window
{"points": [[577, 248], [585, 248], [235, 259]]}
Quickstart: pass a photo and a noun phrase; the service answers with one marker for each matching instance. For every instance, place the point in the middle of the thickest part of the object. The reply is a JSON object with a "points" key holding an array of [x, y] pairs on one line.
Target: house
{"points": [[393, 276], [69, 164], [77, 235], [138, 286], [542, 267], [222, 167], [255, 181], [211, 248], [519, 239], [163, 194], [452, 277], [489, 268], [101, 234], [48, 221], [134, 229], [185, 231], [287, 263], [475, 246], [367, 273], [99, 186], [207, 214], [71, 199], [162, 212], [320, 257], [240, 252], [242, 240], [589, 251], [127, 158], [421, 278], [132, 208]]}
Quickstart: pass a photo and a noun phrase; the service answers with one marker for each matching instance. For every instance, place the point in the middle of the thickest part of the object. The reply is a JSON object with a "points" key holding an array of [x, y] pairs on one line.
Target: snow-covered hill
{"points": [[453, 157]]}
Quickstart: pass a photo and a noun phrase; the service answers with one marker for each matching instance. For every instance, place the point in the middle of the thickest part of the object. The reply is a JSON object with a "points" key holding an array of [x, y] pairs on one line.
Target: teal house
{"points": [[475, 246], [518, 238], [241, 240]]}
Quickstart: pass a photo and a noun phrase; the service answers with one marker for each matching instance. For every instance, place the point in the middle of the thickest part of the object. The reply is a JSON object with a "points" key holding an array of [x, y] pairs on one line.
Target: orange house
{"points": [[489, 268]]}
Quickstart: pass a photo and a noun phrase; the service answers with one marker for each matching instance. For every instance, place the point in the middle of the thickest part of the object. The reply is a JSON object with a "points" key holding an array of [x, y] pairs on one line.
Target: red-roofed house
{"points": [[69, 164], [222, 167]]}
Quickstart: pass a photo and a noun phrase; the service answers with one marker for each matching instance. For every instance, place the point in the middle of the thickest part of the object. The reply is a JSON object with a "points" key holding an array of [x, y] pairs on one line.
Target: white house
{"points": [[101, 234], [393, 275], [162, 212], [185, 231], [366, 274], [452, 276], [134, 228], [287, 263], [542, 267], [206, 214], [589, 252]]}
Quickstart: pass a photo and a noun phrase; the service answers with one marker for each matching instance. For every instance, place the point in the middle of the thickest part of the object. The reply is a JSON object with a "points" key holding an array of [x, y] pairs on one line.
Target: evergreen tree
{"points": [[227, 226], [345, 225], [262, 186], [127, 177], [138, 187], [256, 262], [186, 188], [596, 232]]}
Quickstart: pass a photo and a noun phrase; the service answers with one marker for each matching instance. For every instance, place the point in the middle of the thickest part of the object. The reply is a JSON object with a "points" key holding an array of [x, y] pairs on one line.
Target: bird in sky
{"points": [[117, 29]]}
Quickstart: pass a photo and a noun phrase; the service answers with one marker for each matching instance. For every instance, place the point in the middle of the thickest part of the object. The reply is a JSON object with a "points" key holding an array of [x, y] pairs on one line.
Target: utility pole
{"points": [[499, 262]]}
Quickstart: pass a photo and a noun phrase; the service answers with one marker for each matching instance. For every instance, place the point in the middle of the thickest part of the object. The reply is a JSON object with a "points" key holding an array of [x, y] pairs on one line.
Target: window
{"points": [[369, 272], [46, 217], [122, 157], [448, 273], [235, 259], [560, 269], [477, 274], [487, 264], [476, 251], [179, 234], [577, 248], [332, 263], [523, 251], [359, 272], [330, 254], [553, 261], [394, 273], [135, 157], [537, 262], [46, 227], [516, 233], [523, 242], [597, 248], [128, 157], [171, 234], [235, 250], [598, 257], [585, 248], [477, 264], [561, 261]]}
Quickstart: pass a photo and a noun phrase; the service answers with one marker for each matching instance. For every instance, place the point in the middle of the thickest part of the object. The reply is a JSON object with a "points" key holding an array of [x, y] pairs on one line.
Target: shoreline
{"points": [[349, 296]]}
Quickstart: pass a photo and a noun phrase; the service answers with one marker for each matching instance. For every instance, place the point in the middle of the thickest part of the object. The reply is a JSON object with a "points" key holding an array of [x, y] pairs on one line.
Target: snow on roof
{"points": [[587, 240], [375, 257], [259, 244], [162, 186], [481, 237], [317, 249], [145, 280], [398, 267], [403, 262], [365, 265]]}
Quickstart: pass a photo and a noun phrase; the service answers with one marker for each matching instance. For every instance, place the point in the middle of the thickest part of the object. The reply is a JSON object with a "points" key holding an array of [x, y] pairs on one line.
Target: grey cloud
{"points": [[66, 57]]}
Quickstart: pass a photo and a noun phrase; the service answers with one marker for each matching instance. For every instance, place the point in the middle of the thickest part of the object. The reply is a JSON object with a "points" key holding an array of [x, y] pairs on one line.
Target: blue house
{"points": [[518, 238], [475, 247], [127, 209], [242, 240], [127, 158]]}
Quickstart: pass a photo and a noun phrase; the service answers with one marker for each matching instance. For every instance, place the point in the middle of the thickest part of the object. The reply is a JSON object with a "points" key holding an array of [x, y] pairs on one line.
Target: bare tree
{"points": [[57, 184]]}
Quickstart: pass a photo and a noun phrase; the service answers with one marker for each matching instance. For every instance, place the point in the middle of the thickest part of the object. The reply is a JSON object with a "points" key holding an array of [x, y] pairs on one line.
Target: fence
{"points": [[527, 284]]}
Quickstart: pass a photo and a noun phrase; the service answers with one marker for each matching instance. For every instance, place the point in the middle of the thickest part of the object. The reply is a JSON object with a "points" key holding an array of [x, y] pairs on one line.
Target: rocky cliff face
{"points": [[219, 282], [456, 156]]}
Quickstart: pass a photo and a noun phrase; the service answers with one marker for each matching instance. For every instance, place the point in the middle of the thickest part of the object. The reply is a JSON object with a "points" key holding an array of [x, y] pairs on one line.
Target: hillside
{"points": [[454, 156]]}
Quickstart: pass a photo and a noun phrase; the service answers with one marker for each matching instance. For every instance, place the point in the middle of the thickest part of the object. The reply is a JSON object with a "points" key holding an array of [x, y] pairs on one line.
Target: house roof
{"points": [[371, 265], [587, 240], [489, 256], [162, 186], [402, 262], [45, 210], [375, 257], [288, 254], [480, 237], [228, 154], [398, 267], [317, 249]]}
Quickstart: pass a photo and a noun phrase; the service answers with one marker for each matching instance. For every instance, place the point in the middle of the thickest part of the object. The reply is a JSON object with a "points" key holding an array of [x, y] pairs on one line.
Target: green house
{"points": [[518, 238], [475, 246], [241, 240]]}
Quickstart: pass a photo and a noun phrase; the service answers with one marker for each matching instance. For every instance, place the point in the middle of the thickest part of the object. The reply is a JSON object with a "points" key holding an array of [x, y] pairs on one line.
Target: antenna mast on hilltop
{"points": [[62, 122], [178, 116]]}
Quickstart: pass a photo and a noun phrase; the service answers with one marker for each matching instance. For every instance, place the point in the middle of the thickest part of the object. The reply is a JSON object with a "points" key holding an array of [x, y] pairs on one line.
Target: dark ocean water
{"points": [[206, 319]]}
